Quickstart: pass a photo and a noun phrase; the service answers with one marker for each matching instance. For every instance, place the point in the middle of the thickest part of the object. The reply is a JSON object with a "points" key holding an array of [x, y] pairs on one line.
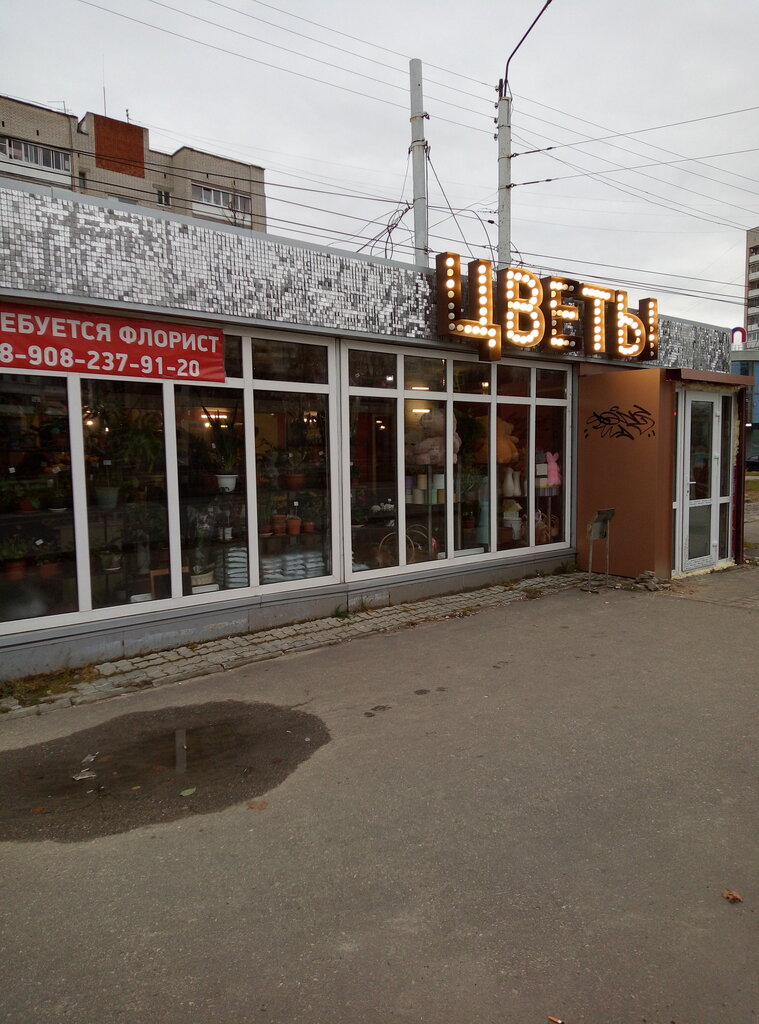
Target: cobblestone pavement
{"points": [[113, 679]]}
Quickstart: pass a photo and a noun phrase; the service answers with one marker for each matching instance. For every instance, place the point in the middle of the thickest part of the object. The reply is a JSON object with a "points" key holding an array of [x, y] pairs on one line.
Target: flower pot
{"points": [[48, 570], [309, 527], [279, 525], [202, 579], [226, 481], [295, 480], [293, 526], [15, 570]]}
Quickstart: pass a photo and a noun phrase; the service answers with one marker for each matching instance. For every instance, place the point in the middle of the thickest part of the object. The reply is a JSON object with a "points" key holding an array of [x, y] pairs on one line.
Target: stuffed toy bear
{"points": [[429, 450], [506, 444]]}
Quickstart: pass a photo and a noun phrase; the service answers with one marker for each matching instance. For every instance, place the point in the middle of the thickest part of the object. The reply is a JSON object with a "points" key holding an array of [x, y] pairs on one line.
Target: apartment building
{"points": [[104, 157], [752, 288]]}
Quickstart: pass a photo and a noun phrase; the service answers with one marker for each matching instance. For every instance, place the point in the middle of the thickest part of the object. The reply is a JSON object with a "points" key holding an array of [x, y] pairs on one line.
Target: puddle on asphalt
{"points": [[151, 767]]}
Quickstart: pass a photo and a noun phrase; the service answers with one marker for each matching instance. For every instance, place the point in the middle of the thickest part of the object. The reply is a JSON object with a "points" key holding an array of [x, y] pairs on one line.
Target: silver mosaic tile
{"points": [[74, 246]]}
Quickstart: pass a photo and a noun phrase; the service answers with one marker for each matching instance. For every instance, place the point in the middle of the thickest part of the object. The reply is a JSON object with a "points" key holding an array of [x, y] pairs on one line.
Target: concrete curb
{"points": [[118, 678]]}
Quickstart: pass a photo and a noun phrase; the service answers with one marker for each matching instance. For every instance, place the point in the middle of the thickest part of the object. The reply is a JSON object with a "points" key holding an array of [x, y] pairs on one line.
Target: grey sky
{"points": [[624, 66]]}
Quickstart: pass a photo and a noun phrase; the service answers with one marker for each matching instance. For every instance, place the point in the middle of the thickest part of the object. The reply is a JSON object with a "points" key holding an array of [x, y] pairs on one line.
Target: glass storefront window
{"points": [[232, 355], [126, 491], [550, 463], [292, 478], [213, 512], [471, 378], [289, 361], [425, 479], [37, 566], [471, 475], [550, 383], [512, 458], [371, 369], [513, 381], [422, 374], [373, 480]]}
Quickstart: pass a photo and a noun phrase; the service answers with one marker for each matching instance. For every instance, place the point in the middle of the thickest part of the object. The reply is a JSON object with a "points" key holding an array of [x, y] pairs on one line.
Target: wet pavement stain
{"points": [[152, 767]]}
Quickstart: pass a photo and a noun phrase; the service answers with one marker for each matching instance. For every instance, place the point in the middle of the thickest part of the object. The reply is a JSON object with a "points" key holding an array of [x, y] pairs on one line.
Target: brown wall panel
{"points": [[624, 461], [119, 146]]}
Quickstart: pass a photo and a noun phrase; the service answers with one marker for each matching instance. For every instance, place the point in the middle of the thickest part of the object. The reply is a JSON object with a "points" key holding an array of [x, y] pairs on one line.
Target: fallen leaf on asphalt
{"points": [[37, 810], [732, 897], [188, 792], [257, 805]]}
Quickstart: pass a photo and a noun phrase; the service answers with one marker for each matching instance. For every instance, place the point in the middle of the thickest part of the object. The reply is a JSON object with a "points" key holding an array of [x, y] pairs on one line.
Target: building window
{"points": [[163, 197], [35, 155], [37, 565], [211, 457], [126, 491], [222, 199]]}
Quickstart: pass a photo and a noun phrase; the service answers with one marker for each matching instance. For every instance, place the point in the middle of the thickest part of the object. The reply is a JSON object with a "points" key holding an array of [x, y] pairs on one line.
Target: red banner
{"points": [[32, 338]]}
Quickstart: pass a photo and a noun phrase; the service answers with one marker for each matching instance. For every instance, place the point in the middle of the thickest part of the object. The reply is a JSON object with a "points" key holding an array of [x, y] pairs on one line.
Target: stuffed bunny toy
{"points": [[554, 474]]}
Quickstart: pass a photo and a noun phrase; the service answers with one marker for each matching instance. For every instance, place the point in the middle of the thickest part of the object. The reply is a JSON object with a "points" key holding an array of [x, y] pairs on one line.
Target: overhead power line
{"points": [[642, 131], [304, 56], [266, 64], [638, 167]]}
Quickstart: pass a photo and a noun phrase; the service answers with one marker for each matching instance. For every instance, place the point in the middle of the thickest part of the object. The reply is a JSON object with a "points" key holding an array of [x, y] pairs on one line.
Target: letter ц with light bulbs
{"points": [[527, 312]]}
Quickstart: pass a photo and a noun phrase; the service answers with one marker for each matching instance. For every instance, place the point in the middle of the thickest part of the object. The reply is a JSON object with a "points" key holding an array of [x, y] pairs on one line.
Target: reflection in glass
{"points": [[699, 531], [422, 374], [513, 381], [726, 451], [512, 468], [374, 487], [549, 474], [550, 383], [700, 450], [371, 369], [37, 566], [292, 477], [232, 355], [471, 378], [471, 477], [211, 457], [724, 530], [425, 481], [289, 360], [126, 491]]}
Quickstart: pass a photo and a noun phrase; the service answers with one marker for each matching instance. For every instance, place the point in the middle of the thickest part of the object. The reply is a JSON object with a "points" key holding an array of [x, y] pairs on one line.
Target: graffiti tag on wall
{"points": [[615, 423]]}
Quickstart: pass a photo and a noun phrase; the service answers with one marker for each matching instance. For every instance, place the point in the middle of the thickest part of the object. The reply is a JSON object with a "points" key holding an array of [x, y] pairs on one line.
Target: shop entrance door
{"points": [[707, 481]]}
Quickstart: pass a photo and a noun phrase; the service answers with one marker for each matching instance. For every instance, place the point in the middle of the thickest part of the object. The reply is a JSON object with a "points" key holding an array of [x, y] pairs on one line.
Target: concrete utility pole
{"points": [[419, 165], [504, 181], [504, 153]]}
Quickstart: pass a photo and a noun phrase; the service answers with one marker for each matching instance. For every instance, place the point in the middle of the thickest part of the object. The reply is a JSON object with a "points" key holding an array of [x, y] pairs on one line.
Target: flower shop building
{"points": [[206, 430]]}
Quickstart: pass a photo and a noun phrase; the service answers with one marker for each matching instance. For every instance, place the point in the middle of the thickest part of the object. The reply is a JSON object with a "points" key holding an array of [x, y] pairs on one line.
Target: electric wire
{"points": [[637, 167], [638, 131], [305, 56], [640, 142], [266, 64], [650, 197]]}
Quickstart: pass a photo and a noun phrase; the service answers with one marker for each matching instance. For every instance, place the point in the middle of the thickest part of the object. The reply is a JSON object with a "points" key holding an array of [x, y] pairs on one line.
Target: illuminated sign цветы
{"points": [[525, 312]]}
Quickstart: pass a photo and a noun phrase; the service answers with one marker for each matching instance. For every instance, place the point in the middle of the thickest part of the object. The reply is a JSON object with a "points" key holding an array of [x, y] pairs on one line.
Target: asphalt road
{"points": [[526, 813]]}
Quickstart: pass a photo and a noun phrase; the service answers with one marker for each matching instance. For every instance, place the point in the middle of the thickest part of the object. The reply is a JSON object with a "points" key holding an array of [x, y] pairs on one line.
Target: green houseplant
{"points": [[225, 447]]}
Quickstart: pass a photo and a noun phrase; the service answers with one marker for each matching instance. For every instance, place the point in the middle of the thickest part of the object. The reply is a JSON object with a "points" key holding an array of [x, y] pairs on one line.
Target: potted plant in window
{"points": [[14, 551], [295, 477], [225, 447], [124, 449]]}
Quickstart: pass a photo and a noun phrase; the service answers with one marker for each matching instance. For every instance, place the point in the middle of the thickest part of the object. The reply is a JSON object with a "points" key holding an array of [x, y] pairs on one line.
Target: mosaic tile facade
{"points": [[55, 244]]}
